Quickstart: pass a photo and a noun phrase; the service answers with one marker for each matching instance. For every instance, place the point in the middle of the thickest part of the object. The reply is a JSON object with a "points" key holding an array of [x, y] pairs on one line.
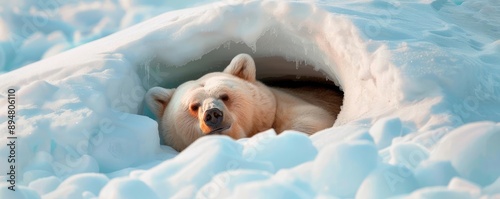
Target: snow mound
{"points": [[415, 93], [31, 30], [477, 157]]}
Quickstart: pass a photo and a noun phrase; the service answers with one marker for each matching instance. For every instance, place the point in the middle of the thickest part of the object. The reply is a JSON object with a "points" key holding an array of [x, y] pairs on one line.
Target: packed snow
{"points": [[421, 82]]}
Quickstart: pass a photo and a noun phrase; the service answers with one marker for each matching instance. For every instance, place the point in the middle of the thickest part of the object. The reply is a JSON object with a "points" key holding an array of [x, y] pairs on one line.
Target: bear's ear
{"points": [[242, 66], [157, 99]]}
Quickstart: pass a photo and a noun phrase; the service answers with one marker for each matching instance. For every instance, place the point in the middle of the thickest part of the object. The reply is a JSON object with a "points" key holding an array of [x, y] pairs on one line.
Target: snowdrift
{"points": [[411, 88], [34, 30]]}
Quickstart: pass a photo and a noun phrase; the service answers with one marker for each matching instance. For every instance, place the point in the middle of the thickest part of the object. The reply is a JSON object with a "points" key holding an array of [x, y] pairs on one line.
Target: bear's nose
{"points": [[213, 117]]}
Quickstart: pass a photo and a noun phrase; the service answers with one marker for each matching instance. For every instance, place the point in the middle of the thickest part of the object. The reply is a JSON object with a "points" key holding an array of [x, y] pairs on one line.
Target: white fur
{"points": [[252, 107]]}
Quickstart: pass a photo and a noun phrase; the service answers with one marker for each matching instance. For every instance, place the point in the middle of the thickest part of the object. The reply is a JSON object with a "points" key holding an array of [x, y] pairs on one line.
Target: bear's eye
{"points": [[224, 97], [194, 107]]}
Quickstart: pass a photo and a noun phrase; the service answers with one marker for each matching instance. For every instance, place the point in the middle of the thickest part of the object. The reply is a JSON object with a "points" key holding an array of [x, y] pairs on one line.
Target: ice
{"points": [[419, 118]]}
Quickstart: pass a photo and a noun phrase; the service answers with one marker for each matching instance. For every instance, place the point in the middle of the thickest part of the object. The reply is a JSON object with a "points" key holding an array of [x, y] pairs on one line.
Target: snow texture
{"points": [[420, 115]]}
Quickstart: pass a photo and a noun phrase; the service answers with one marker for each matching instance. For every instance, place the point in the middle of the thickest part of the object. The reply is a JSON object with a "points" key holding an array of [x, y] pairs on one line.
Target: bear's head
{"points": [[231, 103]]}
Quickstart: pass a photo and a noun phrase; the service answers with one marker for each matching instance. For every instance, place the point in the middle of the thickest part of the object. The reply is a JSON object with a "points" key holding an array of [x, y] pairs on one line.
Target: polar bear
{"points": [[235, 104]]}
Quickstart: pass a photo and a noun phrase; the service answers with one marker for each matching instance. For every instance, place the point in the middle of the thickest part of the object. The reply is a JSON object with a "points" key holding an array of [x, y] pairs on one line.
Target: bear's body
{"points": [[234, 103], [306, 109]]}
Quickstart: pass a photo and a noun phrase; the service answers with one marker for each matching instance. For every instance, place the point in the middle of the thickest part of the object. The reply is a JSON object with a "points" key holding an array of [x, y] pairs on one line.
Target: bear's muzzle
{"points": [[213, 118]]}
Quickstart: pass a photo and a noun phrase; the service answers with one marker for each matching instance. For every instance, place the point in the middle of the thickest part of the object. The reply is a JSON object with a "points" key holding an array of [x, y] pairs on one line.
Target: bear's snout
{"points": [[213, 118]]}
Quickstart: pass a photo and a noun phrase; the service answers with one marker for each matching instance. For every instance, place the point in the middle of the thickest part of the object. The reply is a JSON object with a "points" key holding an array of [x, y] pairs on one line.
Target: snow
{"points": [[27, 27], [384, 130], [435, 173], [419, 119], [387, 181], [127, 188], [477, 157], [464, 185], [340, 169]]}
